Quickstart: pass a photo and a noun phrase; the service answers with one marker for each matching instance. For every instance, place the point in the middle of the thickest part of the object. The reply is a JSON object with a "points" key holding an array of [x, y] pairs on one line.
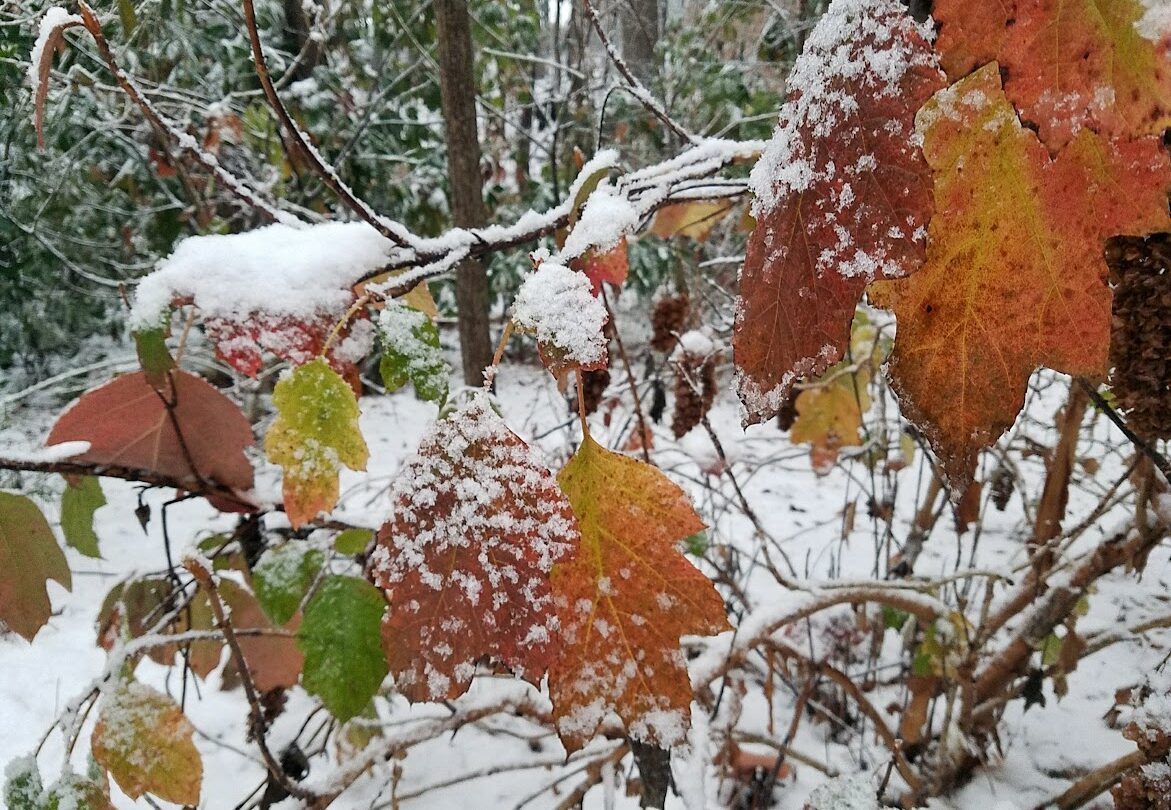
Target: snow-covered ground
{"points": [[1043, 748]]}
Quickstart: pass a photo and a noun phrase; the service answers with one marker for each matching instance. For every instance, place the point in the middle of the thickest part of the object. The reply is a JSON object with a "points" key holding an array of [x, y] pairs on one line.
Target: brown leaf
{"points": [[52, 36], [127, 424], [843, 198]]}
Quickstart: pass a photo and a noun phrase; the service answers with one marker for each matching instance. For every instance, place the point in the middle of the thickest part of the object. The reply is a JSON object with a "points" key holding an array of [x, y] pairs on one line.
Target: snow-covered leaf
{"points": [[410, 352], [842, 196], [477, 524], [557, 306], [144, 740]]}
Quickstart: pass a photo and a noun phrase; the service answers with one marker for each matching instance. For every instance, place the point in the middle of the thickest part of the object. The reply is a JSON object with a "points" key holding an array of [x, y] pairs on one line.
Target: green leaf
{"points": [[144, 740], [341, 638], [156, 361], [29, 558], [282, 576], [410, 353], [696, 544], [893, 618], [315, 433], [78, 504], [22, 788], [353, 541], [74, 792], [127, 15]]}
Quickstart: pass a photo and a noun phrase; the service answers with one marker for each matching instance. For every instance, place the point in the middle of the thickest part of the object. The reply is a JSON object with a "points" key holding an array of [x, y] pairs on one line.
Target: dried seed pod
{"points": [[667, 320], [1140, 341], [787, 414], [594, 388], [1002, 486], [695, 382], [1147, 787]]}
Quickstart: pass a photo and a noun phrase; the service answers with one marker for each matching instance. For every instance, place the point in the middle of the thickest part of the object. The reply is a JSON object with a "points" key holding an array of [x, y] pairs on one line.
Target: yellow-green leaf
{"points": [[29, 558], [78, 504], [315, 433], [143, 739]]}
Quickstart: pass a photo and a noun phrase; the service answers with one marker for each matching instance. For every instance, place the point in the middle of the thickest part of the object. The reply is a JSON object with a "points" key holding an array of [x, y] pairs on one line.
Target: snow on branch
{"points": [[278, 270]]}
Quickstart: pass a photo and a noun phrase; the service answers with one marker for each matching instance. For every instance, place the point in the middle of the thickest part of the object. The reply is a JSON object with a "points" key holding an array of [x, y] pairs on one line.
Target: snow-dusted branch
{"points": [[173, 132], [644, 96], [393, 231]]}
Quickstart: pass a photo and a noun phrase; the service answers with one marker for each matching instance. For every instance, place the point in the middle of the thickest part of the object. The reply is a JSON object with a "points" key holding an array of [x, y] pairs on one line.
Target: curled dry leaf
{"points": [[50, 36]]}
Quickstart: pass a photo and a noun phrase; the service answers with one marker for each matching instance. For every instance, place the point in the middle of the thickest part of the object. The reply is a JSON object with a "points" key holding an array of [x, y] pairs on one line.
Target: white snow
{"points": [[279, 270], [556, 304], [44, 455], [854, 792], [1155, 24], [605, 219]]}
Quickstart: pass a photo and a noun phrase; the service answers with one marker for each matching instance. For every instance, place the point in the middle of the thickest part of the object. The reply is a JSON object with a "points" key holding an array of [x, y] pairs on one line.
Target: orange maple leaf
{"points": [[843, 197], [478, 524], [1069, 63], [1015, 275], [625, 600]]}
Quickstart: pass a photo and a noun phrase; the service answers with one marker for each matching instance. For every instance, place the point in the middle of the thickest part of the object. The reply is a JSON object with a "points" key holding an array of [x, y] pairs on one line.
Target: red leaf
{"points": [[241, 343], [843, 198], [465, 560], [612, 265], [127, 424]]}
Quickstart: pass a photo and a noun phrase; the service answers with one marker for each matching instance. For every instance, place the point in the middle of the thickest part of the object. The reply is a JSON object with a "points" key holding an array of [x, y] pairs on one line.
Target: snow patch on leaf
{"points": [[855, 43], [557, 305]]}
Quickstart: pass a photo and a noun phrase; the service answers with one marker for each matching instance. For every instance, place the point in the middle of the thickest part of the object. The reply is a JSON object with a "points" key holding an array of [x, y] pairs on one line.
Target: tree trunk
{"points": [[458, 91], [640, 35]]}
